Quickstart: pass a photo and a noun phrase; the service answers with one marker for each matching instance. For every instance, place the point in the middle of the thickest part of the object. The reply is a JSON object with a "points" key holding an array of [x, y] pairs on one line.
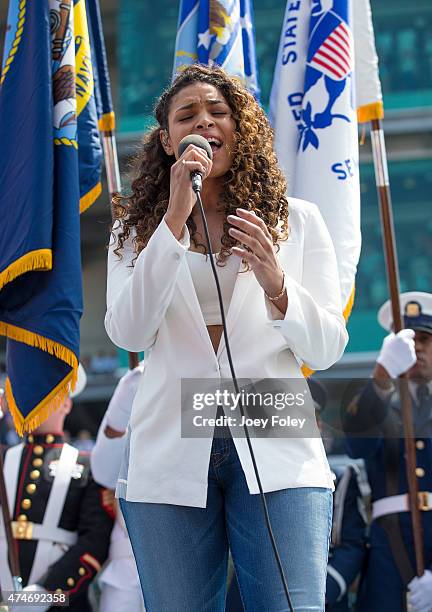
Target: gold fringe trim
{"points": [[50, 404], [306, 371], [55, 398], [40, 259], [366, 113], [107, 122], [90, 197], [44, 344], [349, 305]]}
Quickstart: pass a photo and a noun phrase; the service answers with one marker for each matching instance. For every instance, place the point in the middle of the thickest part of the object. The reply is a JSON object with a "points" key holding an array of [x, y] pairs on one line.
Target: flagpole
{"points": [[114, 187], [11, 542], [111, 162], [105, 111], [389, 244], [370, 109]]}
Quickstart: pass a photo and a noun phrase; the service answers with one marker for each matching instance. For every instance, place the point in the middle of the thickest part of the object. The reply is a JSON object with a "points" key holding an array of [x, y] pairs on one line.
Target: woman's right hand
{"points": [[182, 198]]}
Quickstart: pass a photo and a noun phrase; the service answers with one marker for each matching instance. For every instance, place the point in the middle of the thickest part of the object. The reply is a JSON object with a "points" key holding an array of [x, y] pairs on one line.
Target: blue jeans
{"points": [[182, 552]]}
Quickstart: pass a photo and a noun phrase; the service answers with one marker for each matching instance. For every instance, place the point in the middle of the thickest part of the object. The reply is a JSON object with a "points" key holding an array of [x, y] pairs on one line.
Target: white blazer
{"points": [[153, 307]]}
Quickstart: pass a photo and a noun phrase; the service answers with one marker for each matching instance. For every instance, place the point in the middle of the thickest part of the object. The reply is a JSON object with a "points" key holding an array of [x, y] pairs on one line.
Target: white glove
{"points": [[397, 353], [420, 593], [40, 607], [120, 406]]}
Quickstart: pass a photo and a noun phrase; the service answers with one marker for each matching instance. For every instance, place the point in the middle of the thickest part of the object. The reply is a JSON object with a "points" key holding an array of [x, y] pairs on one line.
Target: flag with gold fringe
{"points": [[218, 32], [89, 144], [51, 163]]}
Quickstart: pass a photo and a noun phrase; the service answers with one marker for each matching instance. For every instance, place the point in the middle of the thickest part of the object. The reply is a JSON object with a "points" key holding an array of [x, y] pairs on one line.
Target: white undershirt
{"points": [[205, 286]]}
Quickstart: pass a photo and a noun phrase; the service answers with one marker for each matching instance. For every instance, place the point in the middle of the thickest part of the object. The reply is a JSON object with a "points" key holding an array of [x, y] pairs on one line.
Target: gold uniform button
{"points": [[22, 517], [419, 472], [37, 462], [38, 450], [26, 504], [31, 488], [49, 439], [34, 474], [70, 582], [30, 439], [420, 444], [81, 571]]}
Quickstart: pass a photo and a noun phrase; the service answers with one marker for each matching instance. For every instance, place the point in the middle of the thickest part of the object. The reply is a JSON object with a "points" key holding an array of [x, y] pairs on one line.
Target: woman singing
{"points": [[188, 500]]}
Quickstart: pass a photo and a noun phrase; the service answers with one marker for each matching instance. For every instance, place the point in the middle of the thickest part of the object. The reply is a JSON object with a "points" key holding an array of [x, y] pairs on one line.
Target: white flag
{"points": [[313, 112], [368, 86]]}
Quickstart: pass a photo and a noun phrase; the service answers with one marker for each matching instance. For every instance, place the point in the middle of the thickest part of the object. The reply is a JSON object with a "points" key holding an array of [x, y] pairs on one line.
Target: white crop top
{"points": [[205, 286]]}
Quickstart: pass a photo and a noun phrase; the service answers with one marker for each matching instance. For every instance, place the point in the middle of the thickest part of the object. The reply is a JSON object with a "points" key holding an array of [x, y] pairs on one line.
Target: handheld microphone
{"points": [[202, 143]]}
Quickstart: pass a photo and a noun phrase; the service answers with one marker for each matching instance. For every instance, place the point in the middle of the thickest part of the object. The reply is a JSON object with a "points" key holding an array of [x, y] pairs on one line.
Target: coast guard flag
{"points": [[313, 112], [50, 168], [218, 32]]}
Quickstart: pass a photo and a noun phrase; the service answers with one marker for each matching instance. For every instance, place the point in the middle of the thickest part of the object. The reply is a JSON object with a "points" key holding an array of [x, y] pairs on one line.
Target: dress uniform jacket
{"points": [[374, 428], [348, 539], [86, 518]]}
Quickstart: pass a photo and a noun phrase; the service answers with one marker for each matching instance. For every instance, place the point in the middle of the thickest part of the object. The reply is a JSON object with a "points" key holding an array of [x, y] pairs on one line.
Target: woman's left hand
{"points": [[252, 232]]}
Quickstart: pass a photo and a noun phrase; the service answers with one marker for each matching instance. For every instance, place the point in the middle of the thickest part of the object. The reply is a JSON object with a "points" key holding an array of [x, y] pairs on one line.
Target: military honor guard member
{"points": [[119, 581], [373, 424], [348, 538], [62, 519]]}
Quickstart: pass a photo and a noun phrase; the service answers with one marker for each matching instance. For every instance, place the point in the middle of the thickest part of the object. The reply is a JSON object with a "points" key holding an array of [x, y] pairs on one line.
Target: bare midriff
{"points": [[215, 333]]}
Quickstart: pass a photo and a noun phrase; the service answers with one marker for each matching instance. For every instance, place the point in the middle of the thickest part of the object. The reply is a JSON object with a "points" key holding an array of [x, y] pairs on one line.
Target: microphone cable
{"points": [[197, 188]]}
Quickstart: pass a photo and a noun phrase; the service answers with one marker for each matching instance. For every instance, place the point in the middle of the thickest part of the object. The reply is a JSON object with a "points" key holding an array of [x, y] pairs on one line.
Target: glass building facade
{"points": [[411, 186], [404, 44], [146, 39]]}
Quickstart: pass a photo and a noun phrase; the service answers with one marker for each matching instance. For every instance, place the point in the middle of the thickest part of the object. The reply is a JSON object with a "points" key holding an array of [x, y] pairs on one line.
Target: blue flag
{"points": [[89, 145], [218, 32], [104, 103], [51, 157]]}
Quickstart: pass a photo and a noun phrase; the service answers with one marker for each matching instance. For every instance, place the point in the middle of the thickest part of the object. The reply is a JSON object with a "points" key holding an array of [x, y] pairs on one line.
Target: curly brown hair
{"points": [[254, 181]]}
